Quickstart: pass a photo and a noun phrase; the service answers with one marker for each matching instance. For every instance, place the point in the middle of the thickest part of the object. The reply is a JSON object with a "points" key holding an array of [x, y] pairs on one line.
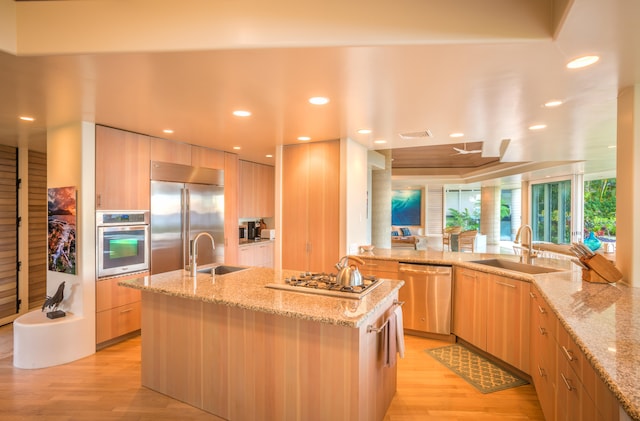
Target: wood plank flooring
{"points": [[106, 386]]}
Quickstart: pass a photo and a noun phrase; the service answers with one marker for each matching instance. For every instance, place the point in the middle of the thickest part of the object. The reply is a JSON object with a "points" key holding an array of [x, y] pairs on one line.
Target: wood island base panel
{"points": [[244, 364]]}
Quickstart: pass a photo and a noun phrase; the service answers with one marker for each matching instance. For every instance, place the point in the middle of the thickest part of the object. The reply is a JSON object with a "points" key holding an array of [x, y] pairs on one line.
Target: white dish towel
{"points": [[399, 331]]}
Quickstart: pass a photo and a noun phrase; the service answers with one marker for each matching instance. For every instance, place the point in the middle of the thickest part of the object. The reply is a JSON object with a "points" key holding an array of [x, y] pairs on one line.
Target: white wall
{"points": [[71, 162], [354, 218]]}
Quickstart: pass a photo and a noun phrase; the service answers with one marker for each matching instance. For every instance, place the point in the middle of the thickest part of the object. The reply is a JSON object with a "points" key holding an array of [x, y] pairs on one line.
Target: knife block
{"points": [[592, 276], [600, 270]]}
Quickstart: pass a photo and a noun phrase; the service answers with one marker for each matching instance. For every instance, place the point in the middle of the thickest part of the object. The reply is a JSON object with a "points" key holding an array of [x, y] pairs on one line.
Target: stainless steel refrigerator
{"points": [[185, 201]]}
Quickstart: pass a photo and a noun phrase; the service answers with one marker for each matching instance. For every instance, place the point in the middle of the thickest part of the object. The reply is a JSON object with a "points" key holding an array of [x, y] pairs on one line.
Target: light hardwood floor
{"points": [[106, 386]]}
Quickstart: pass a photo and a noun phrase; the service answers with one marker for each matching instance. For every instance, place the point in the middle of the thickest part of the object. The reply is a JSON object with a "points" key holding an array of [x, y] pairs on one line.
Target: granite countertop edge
{"points": [[323, 308]]}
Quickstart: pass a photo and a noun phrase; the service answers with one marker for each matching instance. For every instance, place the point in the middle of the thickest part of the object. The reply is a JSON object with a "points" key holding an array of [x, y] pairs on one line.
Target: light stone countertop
{"points": [[603, 319], [247, 289]]}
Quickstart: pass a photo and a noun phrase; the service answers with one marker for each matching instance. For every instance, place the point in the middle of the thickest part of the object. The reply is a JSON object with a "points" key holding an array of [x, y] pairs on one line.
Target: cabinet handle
{"points": [[506, 284], [541, 309], [532, 295], [568, 353], [567, 382], [126, 311], [99, 204], [541, 371], [543, 331]]}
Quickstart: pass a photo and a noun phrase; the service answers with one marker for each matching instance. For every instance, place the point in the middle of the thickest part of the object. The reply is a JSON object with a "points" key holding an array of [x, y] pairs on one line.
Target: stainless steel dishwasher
{"points": [[427, 297]]}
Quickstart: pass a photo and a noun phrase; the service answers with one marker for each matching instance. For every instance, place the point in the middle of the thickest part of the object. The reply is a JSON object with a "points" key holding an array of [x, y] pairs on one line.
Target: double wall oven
{"points": [[123, 242]]}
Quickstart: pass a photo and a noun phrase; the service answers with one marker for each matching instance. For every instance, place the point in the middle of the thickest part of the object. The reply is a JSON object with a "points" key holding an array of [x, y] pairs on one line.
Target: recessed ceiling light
{"points": [[27, 118], [237, 148], [537, 127], [269, 156], [304, 138], [319, 100], [582, 62], [456, 135], [167, 131], [380, 141], [553, 103], [364, 131], [241, 113]]}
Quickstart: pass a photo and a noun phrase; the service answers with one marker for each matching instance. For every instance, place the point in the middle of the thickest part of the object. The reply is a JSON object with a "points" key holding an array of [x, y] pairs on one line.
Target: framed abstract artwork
{"points": [[406, 207]]}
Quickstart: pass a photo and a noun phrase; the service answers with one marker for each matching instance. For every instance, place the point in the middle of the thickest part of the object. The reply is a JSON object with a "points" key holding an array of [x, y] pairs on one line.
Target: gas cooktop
{"points": [[326, 284]]}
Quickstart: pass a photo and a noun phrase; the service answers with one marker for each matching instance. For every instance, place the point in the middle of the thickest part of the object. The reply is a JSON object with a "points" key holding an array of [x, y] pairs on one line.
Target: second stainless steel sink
{"points": [[515, 266]]}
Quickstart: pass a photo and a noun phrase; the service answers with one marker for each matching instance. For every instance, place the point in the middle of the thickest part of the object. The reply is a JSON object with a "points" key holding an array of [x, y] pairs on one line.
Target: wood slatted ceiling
{"points": [[435, 219], [37, 229], [8, 231]]}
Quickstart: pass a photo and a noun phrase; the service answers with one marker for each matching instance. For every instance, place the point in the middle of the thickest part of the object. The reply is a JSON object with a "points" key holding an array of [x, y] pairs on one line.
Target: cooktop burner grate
{"points": [[326, 284]]}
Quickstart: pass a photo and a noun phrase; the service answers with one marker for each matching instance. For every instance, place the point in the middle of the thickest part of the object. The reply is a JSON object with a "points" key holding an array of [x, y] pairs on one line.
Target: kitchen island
{"points": [[233, 347]]}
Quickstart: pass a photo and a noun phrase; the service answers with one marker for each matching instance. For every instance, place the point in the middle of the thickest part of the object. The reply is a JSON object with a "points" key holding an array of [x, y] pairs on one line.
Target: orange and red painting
{"points": [[62, 229]]}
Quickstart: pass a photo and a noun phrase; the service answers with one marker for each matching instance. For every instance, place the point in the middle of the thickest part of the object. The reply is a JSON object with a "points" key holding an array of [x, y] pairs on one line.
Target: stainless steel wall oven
{"points": [[123, 242]]}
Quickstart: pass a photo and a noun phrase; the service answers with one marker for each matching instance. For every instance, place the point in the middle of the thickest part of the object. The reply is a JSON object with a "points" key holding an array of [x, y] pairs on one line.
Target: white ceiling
{"points": [[479, 67]]}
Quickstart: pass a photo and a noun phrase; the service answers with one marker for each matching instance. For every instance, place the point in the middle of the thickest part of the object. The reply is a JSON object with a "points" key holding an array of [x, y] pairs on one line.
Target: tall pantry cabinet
{"points": [[311, 206]]}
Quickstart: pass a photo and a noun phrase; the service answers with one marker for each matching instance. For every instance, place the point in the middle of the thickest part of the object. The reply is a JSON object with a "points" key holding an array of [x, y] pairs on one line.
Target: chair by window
{"points": [[467, 240], [446, 236]]}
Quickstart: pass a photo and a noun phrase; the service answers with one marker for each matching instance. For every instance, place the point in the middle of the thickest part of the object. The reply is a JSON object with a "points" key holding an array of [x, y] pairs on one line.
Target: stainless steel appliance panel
{"points": [[427, 296], [180, 211], [122, 242]]}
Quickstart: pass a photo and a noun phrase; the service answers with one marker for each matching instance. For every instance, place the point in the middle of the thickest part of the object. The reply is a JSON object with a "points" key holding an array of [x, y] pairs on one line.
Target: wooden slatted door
{"points": [[37, 229], [8, 231]]}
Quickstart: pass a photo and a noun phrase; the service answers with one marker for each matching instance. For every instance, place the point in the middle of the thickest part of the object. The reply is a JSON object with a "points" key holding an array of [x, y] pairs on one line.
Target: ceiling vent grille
{"points": [[416, 135]]}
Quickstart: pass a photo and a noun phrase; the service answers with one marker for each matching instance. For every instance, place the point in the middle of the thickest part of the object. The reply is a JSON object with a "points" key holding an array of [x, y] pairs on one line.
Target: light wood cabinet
{"points": [[117, 309], [230, 208], [543, 365], [164, 150], [208, 158], [387, 269], [258, 254], [256, 190], [567, 386], [122, 170], [311, 211], [508, 321], [470, 306]]}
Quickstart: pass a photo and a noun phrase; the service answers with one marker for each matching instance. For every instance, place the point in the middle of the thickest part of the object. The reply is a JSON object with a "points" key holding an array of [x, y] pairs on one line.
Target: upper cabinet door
{"points": [[256, 196], [169, 151], [122, 170], [208, 158]]}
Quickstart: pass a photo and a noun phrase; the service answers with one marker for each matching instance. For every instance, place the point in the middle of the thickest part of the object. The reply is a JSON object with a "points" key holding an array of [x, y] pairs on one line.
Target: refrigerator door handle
{"points": [[186, 227]]}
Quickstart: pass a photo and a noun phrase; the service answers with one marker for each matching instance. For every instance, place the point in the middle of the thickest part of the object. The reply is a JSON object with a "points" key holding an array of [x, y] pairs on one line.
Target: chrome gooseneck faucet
{"points": [[193, 251], [531, 253]]}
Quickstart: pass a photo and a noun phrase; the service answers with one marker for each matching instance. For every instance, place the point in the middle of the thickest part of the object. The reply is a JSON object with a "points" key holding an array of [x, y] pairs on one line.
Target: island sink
{"points": [[515, 266], [221, 270]]}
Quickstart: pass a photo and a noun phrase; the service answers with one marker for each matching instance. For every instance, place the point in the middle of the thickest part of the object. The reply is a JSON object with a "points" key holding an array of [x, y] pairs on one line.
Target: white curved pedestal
{"points": [[42, 342]]}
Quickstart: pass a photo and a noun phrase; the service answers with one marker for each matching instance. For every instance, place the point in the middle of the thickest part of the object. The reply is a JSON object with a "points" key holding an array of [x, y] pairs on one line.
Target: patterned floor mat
{"points": [[476, 370]]}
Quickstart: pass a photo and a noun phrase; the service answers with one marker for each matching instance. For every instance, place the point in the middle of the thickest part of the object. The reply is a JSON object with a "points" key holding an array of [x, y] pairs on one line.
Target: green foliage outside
{"points": [[465, 219], [600, 206]]}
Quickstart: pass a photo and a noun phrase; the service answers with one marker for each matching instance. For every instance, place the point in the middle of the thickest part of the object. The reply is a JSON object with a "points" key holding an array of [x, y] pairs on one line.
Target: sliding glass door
{"points": [[551, 212]]}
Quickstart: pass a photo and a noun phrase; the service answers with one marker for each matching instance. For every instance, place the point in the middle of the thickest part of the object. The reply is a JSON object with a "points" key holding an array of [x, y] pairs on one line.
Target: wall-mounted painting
{"points": [[62, 229], [406, 207]]}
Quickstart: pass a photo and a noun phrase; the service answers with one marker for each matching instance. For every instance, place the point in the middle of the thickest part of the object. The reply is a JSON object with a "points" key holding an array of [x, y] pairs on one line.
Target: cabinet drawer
{"points": [[117, 321], [371, 266], [110, 295], [547, 322], [573, 355]]}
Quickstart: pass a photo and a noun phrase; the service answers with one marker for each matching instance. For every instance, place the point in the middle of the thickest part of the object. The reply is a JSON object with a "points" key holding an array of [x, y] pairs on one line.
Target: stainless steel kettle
{"points": [[348, 274]]}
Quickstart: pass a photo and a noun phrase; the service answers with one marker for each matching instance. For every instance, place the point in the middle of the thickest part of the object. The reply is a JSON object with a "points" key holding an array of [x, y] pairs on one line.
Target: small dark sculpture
{"points": [[53, 303]]}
